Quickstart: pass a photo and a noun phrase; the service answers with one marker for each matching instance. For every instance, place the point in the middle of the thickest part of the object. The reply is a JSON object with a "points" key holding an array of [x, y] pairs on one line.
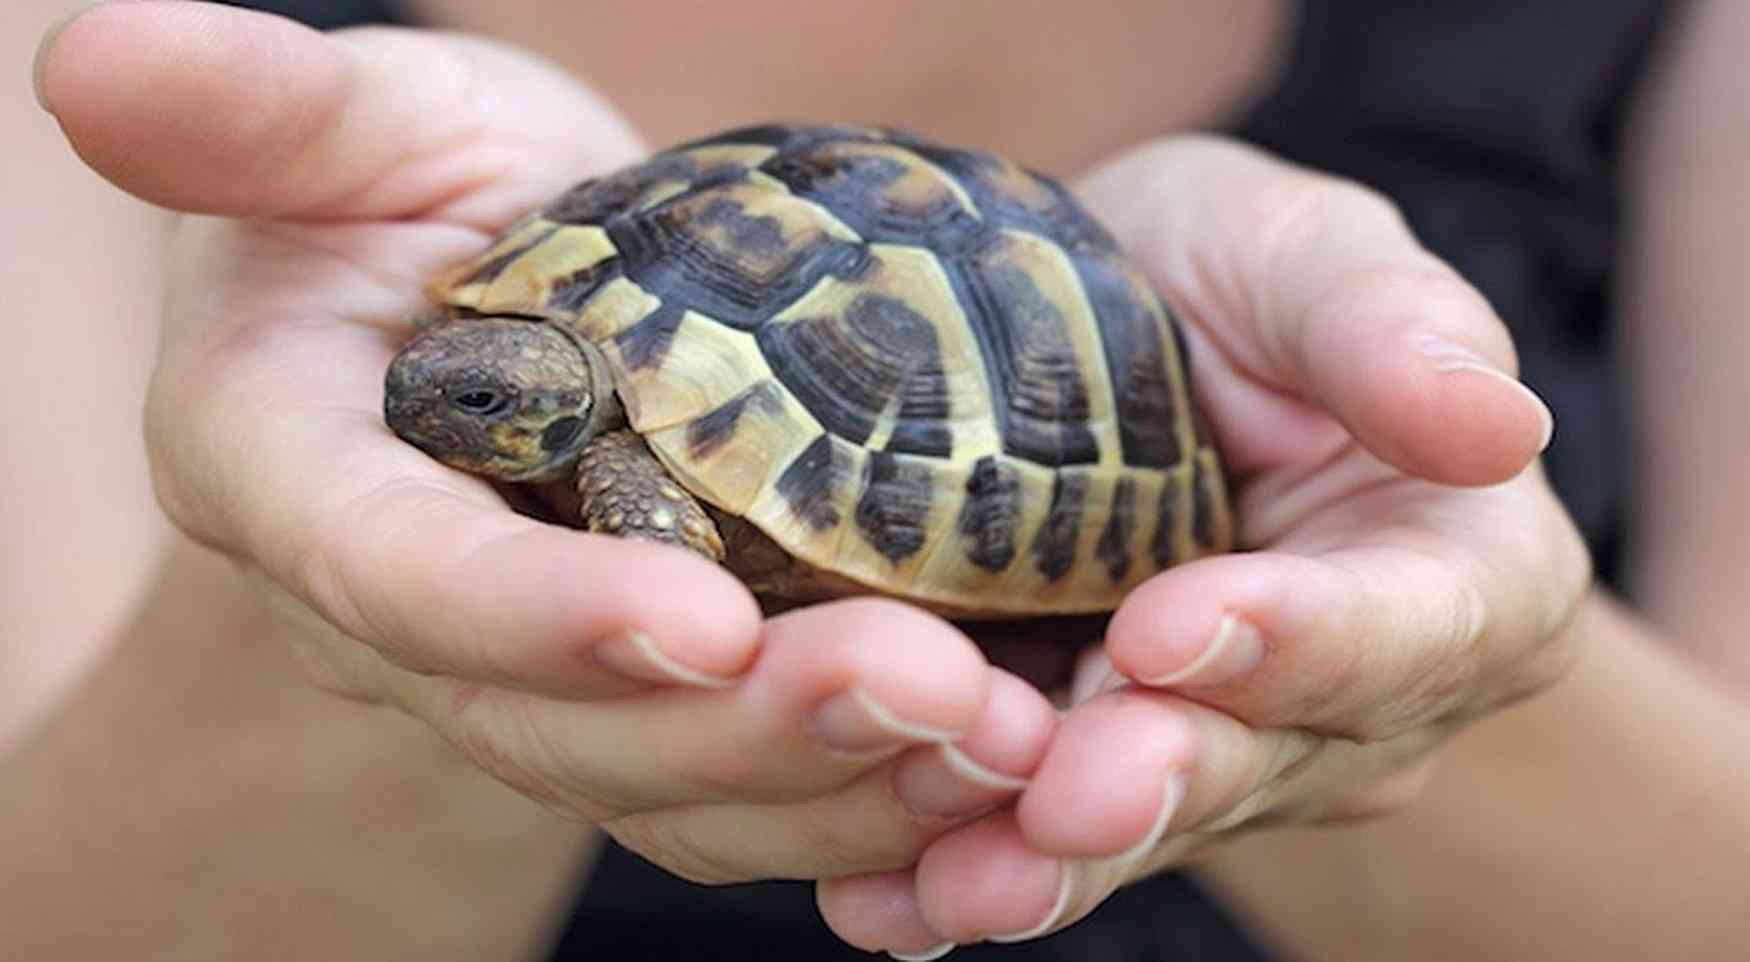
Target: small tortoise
{"points": [[841, 361]]}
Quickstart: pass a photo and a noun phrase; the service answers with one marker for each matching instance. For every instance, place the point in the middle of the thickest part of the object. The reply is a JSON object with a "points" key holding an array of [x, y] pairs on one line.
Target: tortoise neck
{"points": [[605, 412]]}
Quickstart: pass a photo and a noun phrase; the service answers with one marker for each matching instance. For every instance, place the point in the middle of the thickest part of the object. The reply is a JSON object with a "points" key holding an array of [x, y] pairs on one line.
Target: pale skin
{"points": [[353, 538]]}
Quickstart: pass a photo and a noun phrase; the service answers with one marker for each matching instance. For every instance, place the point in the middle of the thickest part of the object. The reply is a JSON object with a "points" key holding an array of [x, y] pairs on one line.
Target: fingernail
{"points": [[1450, 358], [1544, 414], [1096, 678], [1170, 799], [925, 956], [1065, 883], [1236, 649], [949, 784], [637, 657], [853, 721], [52, 34]]}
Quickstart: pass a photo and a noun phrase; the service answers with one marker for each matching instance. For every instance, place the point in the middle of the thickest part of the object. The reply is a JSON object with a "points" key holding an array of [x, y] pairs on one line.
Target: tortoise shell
{"points": [[923, 369]]}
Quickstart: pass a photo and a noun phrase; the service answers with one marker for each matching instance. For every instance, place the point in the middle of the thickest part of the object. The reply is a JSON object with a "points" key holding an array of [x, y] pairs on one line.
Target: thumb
{"points": [[210, 109]]}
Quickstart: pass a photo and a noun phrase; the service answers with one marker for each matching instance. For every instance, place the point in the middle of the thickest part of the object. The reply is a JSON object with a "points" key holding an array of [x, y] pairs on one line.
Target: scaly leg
{"points": [[625, 491]]}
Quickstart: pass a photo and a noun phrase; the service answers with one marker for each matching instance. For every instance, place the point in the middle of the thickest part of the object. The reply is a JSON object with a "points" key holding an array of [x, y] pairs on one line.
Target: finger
{"points": [[1075, 839], [879, 821], [941, 787], [879, 912], [982, 883], [206, 108], [1076, 811], [1185, 768], [837, 690], [985, 767], [1313, 289], [1450, 606]]}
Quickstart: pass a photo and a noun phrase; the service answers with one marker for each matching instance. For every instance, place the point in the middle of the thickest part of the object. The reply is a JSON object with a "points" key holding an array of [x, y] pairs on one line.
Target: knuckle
{"points": [[1386, 796], [1351, 200], [330, 660], [1375, 297], [1263, 794], [487, 735], [1556, 644], [1432, 666], [1303, 209], [1542, 666], [836, 849], [177, 415], [1538, 646], [200, 376], [319, 571], [503, 739], [675, 844], [1386, 299], [1250, 810], [1333, 707], [338, 564], [721, 774], [1451, 661]]}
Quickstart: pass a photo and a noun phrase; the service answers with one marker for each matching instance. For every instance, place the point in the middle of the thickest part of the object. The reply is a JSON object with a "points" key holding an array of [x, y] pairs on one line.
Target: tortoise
{"points": [[837, 360]]}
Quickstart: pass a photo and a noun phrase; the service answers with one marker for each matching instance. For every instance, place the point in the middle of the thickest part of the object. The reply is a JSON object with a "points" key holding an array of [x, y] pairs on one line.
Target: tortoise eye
{"points": [[480, 401]]}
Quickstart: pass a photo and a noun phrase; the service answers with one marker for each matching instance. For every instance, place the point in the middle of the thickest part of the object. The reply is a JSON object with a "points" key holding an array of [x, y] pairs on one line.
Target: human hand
{"points": [[1411, 569], [628, 684]]}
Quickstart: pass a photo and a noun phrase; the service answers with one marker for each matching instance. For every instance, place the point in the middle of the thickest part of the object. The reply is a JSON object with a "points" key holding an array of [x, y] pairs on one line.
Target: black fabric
{"points": [[631, 910], [1495, 125], [328, 14]]}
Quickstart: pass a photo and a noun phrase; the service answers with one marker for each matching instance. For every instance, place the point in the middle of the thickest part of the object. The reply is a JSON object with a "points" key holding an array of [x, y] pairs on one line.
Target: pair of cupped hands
{"points": [[1409, 568]]}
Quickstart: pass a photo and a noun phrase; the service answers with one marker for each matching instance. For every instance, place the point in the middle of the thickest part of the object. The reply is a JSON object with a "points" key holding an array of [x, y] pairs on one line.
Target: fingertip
{"points": [[1501, 408], [1011, 736], [988, 766], [1166, 625], [912, 664], [39, 60], [689, 611], [443, 583], [1447, 415], [983, 881], [178, 103], [877, 913], [1089, 800], [1417, 366]]}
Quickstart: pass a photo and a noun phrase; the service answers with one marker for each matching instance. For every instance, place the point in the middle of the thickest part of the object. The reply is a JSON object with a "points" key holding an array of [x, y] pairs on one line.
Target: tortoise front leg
{"points": [[626, 492]]}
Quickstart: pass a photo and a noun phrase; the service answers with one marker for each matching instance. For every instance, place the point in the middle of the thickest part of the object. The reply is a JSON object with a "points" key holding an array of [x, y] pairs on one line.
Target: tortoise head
{"points": [[504, 398]]}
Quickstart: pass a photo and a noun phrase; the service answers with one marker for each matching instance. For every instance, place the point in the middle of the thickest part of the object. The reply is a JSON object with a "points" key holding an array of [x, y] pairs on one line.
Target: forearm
{"points": [[197, 799], [1687, 343], [1608, 819]]}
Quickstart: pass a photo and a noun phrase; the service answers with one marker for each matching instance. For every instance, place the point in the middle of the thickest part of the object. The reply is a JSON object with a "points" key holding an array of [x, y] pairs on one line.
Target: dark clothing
{"points": [[633, 910], [329, 14], [1495, 124]]}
